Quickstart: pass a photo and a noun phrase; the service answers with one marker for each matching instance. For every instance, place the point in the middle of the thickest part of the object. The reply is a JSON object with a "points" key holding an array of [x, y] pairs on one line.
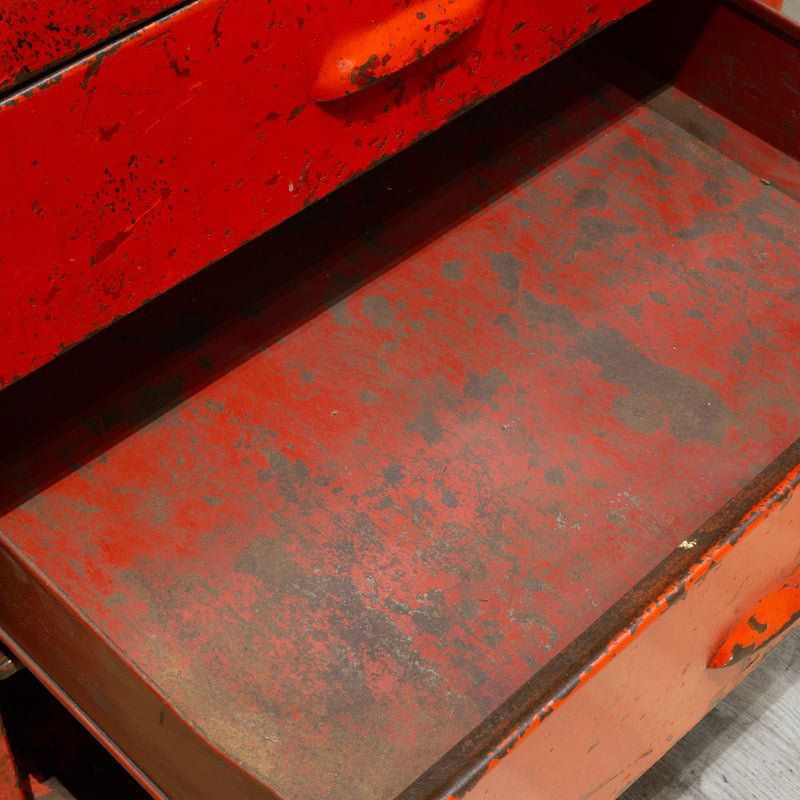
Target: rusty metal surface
{"points": [[556, 683], [165, 150], [335, 520]]}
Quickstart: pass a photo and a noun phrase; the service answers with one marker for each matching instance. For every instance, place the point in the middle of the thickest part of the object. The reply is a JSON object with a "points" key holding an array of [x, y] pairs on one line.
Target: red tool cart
{"points": [[475, 479]]}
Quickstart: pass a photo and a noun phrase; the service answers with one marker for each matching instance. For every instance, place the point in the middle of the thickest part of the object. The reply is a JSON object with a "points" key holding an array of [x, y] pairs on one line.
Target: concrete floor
{"points": [[792, 9]]}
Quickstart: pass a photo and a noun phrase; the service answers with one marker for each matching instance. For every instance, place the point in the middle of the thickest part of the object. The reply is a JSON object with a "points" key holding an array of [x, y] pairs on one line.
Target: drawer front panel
{"points": [[140, 165], [658, 678]]}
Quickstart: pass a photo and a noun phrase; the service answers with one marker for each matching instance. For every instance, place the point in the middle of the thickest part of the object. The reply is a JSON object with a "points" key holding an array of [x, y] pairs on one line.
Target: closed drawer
{"points": [[160, 153]]}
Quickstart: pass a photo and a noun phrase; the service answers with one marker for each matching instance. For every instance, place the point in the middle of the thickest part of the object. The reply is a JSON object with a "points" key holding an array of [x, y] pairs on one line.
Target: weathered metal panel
{"points": [[758, 96], [734, 101], [768, 619]]}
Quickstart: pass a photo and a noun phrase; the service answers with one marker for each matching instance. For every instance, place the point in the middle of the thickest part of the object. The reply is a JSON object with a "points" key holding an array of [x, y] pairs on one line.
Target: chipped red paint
{"points": [[316, 514], [769, 618], [409, 34], [35, 35], [136, 167]]}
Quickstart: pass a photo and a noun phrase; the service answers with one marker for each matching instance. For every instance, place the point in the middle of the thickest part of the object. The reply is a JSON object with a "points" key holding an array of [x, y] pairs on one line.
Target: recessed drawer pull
{"points": [[368, 56], [769, 618]]}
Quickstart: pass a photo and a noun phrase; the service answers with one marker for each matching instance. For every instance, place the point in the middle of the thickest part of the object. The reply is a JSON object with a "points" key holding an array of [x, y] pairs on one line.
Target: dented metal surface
{"points": [[329, 504], [141, 164]]}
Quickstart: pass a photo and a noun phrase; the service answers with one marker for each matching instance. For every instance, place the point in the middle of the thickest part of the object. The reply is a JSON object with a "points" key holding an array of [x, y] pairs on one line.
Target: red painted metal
{"points": [[770, 617], [313, 516], [39, 34], [137, 166], [767, 96]]}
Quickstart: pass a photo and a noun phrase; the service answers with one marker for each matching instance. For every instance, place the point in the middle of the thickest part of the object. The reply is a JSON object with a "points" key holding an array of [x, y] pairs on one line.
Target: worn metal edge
{"points": [[44, 678], [494, 738], [106, 693]]}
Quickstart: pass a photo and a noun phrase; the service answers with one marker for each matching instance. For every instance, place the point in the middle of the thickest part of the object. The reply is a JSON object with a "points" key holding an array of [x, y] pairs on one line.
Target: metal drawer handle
{"points": [[777, 612], [368, 56]]}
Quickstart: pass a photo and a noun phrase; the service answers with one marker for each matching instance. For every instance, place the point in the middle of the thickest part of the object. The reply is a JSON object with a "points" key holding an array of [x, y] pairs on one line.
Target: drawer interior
{"points": [[325, 506]]}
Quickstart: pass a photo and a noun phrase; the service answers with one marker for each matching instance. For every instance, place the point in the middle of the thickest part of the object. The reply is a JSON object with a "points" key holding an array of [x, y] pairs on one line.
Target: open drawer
{"points": [[477, 479]]}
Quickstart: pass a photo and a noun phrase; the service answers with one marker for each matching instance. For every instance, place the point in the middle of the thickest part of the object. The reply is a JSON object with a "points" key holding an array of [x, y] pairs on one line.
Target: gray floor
{"points": [[747, 748], [792, 9]]}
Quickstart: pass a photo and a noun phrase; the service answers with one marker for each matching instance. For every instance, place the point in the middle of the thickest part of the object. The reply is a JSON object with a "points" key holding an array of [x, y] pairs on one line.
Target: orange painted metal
{"points": [[651, 684], [369, 55], [769, 618]]}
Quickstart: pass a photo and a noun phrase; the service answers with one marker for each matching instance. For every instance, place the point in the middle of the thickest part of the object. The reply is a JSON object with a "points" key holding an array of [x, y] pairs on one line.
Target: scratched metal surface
{"points": [[337, 519], [182, 140]]}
